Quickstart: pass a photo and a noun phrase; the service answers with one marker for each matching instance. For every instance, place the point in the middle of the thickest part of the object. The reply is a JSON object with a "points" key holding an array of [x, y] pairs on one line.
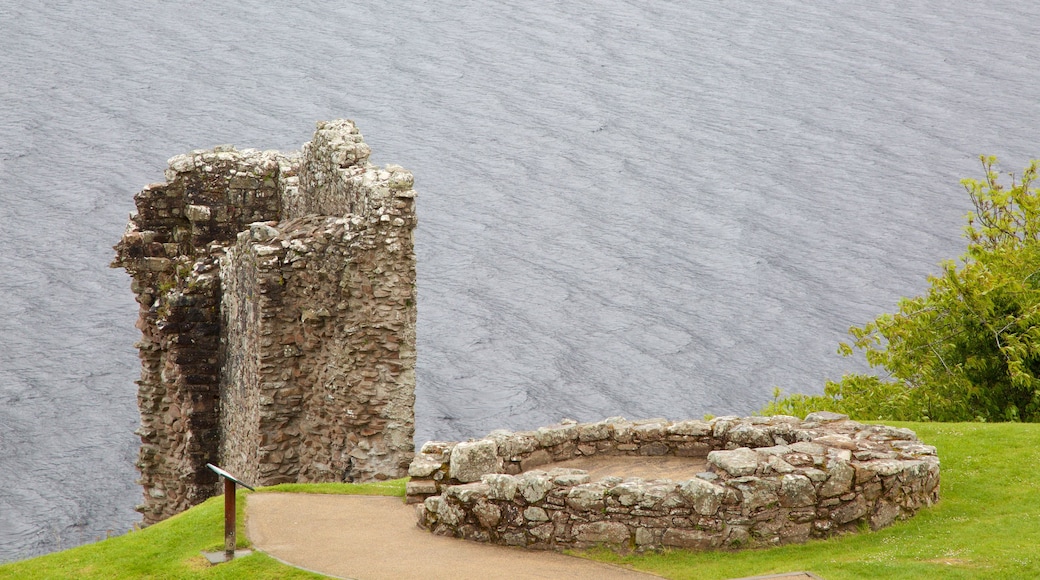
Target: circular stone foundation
{"points": [[648, 485]]}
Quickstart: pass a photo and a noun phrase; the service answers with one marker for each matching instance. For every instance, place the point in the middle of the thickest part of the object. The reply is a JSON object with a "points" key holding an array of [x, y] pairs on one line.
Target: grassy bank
{"points": [[173, 548], [987, 525]]}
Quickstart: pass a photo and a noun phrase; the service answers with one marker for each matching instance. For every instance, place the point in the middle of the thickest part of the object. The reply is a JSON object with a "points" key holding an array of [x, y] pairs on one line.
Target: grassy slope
{"points": [[987, 525], [172, 548]]}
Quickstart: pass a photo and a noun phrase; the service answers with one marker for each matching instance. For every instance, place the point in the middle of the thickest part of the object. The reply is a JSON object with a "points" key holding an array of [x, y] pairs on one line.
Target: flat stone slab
{"points": [[660, 467]]}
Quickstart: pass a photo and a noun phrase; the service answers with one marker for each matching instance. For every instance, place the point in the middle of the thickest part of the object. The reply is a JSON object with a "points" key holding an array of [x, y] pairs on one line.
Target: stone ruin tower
{"points": [[277, 313]]}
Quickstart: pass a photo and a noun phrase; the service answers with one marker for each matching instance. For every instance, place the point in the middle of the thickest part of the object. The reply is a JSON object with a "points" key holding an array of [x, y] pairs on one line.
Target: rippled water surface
{"points": [[626, 208]]}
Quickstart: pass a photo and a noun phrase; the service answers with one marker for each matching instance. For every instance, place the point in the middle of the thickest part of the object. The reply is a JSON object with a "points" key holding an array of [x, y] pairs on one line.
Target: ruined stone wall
{"points": [[769, 481], [277, 296]]}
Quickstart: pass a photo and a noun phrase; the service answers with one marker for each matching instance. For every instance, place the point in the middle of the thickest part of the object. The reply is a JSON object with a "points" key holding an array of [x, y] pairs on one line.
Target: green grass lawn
{"points": [[987, 525], [173, 548]]}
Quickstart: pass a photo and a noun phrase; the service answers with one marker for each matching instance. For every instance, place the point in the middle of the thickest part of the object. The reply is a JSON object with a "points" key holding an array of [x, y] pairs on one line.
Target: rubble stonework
{"points": [[769, 481], [277, 312]]}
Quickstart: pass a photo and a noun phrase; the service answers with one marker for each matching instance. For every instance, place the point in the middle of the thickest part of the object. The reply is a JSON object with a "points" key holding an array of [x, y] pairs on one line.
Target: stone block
{"points": [[796, 491], [839, 480], [500, 486], [533, 485], [850, 511], [737, 462], [602, 533], [471, 460], [588, 497], [535, 514], [704, 497]]}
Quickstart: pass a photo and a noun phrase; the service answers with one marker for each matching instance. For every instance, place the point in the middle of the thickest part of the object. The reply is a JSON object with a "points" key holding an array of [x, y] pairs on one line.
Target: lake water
{"points": [[626, 208]]}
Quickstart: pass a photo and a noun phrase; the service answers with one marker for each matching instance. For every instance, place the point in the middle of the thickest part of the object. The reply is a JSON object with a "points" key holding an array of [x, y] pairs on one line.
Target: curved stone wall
{"points": [[769, 481]]}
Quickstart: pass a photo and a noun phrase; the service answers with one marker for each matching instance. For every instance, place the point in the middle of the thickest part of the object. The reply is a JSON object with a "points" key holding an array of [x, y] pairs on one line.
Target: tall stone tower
{"points": [[277, 312]]}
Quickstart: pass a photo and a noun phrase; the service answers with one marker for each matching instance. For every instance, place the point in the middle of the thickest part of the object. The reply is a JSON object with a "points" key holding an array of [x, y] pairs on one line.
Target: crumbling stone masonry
{"points": [[769, 481], [277, 312]]}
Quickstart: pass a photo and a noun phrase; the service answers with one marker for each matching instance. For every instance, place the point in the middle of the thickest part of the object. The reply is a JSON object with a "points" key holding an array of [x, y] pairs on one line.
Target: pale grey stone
{"points": [[470, 460], [588, 497], [467, 493], [423, 466], [594, 431], [535, 514], [552, 436], [825, 417], [736, 462], [796, 491], [420, 487], [837, 440], [839, 480], [757, 493], [690, 428], [778, 465], [628, 493], [704, 497], [650, 431], [569, 477], [542, 532], [808, 448], [500, 486], [533, 485]]}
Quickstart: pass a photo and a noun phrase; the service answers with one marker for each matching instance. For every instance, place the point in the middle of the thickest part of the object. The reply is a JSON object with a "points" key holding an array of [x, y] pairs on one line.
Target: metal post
{"points": [[229, 515], [229, 519]]}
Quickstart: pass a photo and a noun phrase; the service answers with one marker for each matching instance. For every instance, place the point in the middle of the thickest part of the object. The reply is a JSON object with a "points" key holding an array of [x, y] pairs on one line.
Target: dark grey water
{"points": [[645, 209]]}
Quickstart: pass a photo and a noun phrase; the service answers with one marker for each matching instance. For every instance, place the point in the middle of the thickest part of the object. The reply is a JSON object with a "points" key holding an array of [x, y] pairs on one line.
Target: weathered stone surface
{"points": [[850, 511], [825, 417], [473, 459], [500, 486], [737, 462], [601, 533], [807, 483], [796, 491], [535, 514], [277, 314], [689, 539], [533, 485], [588, 497], [884, 514], [423, 466], [468, 493], [839, 479], [757, 493], [704, 497]]}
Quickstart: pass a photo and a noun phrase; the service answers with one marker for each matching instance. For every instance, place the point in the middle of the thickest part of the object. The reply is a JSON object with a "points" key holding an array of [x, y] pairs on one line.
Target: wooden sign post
{"points": [[229, 509]]}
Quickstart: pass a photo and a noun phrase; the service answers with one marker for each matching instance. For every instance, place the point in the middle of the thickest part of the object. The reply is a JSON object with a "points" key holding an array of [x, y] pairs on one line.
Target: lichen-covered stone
{"points": [[839, 479], [736, 462], [704, 497], [473, 459], [796, 491], [500, 486], [807, 483]]}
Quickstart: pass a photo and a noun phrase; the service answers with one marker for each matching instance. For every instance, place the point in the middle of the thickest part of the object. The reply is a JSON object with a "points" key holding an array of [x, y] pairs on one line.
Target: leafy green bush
{"points": [[969, 349]]}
